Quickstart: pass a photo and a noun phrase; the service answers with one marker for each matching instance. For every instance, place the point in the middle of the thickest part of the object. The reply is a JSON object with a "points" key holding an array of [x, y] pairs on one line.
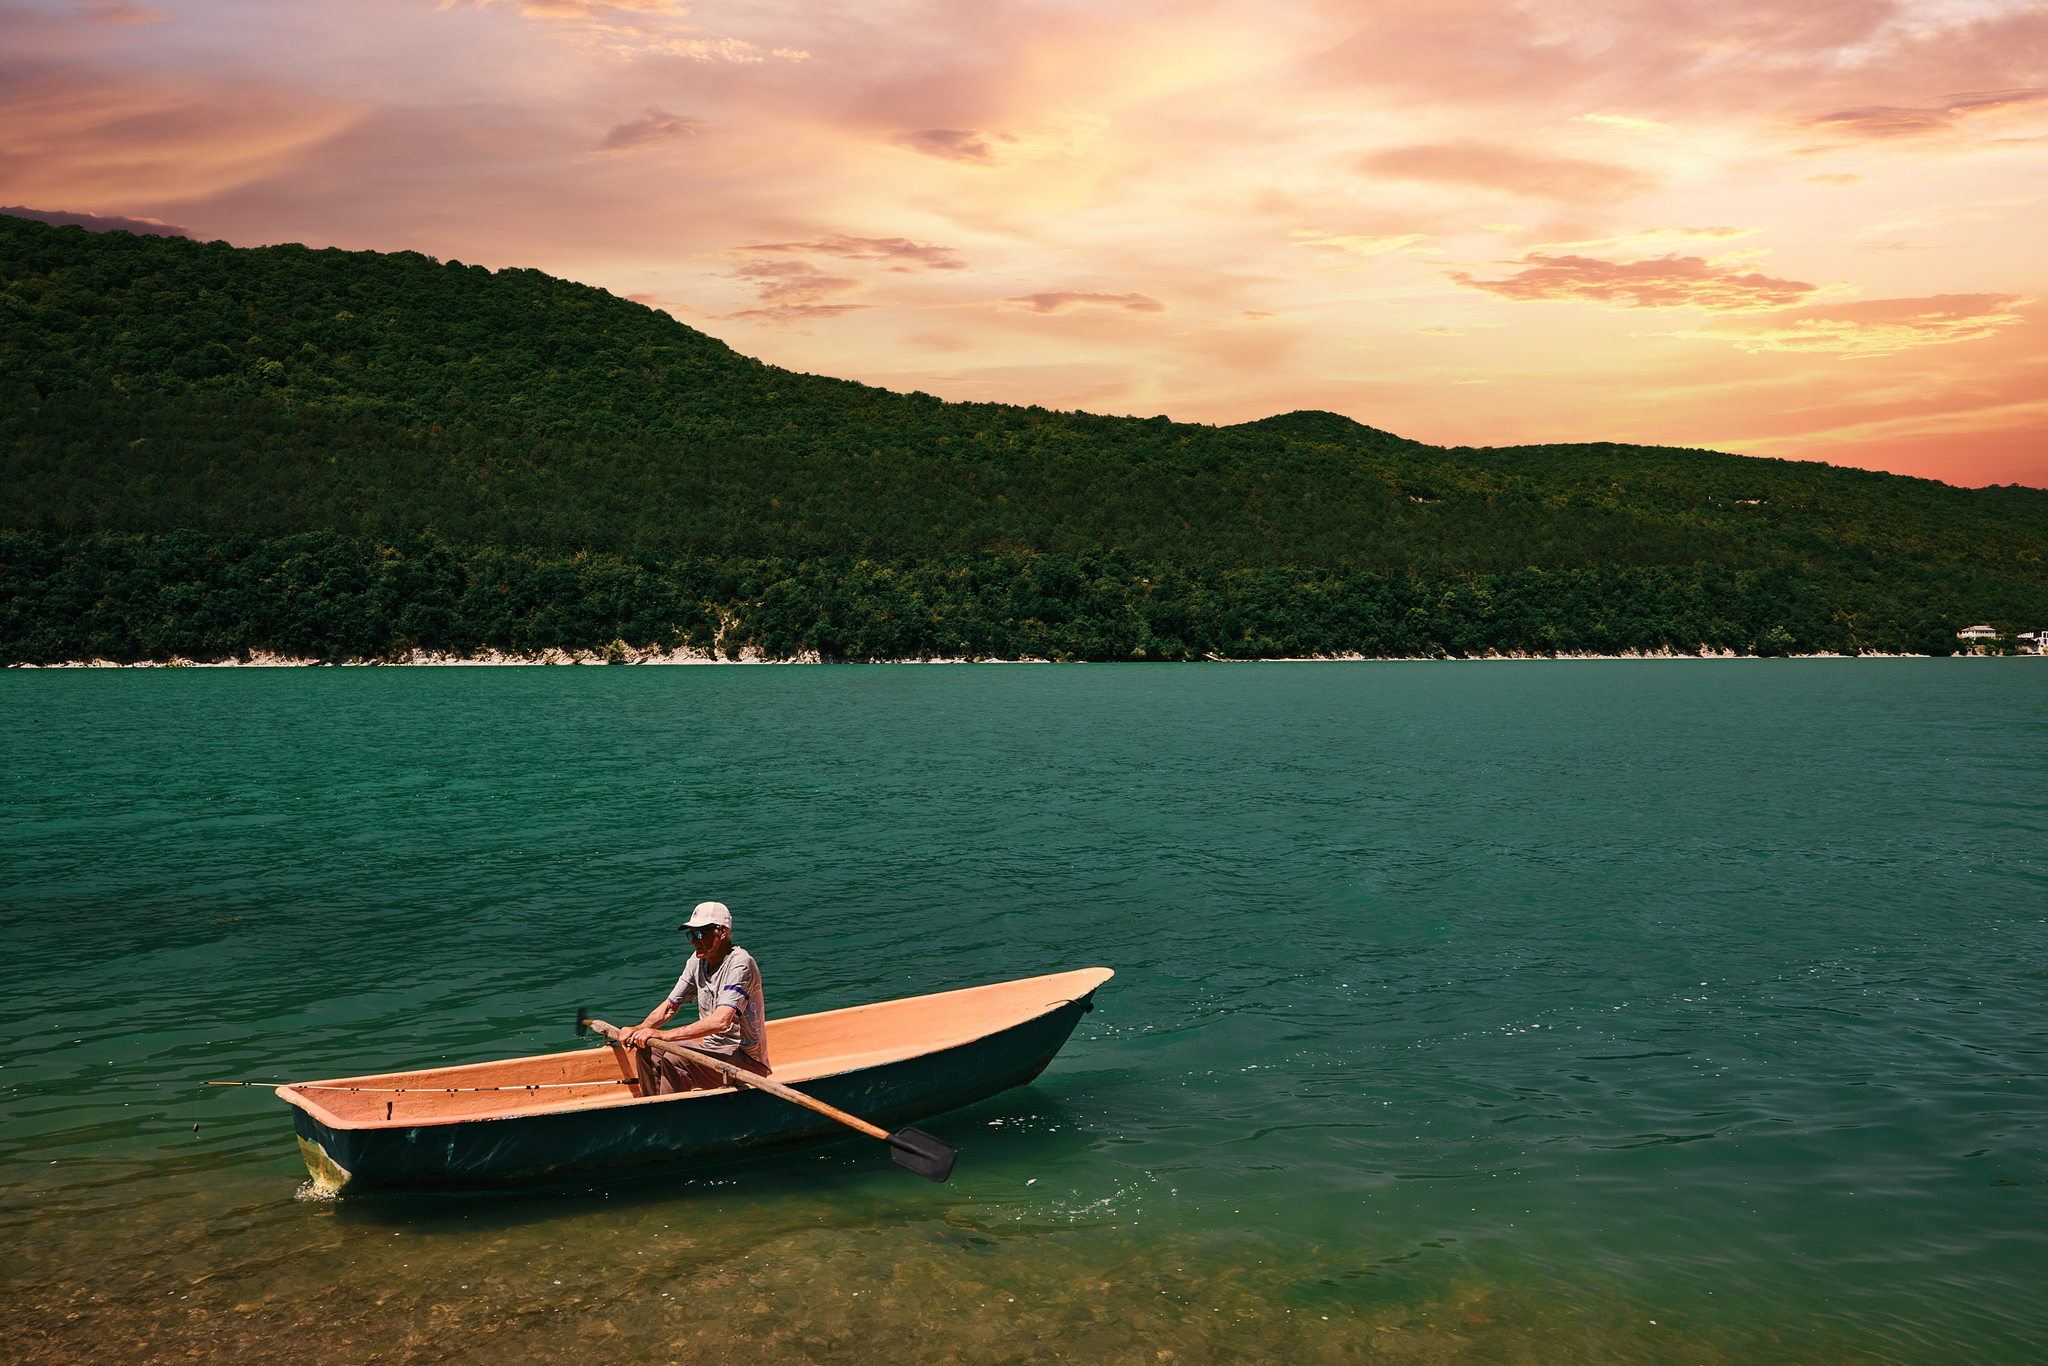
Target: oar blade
{"points": [[918, 1151], [582, 1022]]}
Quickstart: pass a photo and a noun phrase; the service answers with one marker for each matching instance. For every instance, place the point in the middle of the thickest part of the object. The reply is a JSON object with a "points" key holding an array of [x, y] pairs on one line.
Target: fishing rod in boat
{"points": [[912, 1149], [422, 1090]]}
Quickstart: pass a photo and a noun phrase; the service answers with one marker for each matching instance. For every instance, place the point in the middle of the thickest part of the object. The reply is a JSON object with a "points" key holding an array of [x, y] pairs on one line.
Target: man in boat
{"points": [[731, 1014]]}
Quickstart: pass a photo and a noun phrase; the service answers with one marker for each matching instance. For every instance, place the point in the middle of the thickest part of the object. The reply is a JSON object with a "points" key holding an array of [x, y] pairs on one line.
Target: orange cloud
{"points": [[1659, 282], [1875, 327], [848, 248], [1499, 168], [656, 128], [1063, 301]]}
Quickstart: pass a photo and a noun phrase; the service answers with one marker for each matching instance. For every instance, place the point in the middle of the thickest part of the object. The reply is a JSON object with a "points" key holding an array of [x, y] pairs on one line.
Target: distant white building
{"points": [[2032, 642]]}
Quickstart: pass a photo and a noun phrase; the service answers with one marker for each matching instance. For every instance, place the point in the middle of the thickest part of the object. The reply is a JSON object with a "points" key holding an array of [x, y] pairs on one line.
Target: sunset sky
{"points": [[1802, 228]]}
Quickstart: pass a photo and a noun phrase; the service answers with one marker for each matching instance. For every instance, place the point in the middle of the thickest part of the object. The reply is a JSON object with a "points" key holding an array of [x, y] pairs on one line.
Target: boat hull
{"points": [[543, 1148]]}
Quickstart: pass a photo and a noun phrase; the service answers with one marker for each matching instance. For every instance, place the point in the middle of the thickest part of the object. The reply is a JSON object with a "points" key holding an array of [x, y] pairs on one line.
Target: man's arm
{"points": [[649, 1028], [656, 1018]]}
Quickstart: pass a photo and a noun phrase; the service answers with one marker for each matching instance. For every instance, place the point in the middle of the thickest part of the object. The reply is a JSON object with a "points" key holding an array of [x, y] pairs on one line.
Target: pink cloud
{"points": [[793, 313], [1499, 168], [1065, 300], [1890, 121], [639, 28], [796, 290], [656, 128], [120, 12], [1730, 64], [955, 144], [848, 248], [1670, 281]]}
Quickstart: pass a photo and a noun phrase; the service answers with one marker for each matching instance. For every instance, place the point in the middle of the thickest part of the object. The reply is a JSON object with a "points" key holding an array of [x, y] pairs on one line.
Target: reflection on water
{"points": [[1655, 1012]]}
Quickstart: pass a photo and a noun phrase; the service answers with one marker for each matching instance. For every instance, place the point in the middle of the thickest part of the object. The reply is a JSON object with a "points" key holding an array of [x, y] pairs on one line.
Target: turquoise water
{"points": [[1683, 1011]]}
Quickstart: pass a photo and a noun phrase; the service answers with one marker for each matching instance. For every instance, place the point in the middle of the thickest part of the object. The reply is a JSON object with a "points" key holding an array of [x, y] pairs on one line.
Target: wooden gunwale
{"points": [[803, 1047]]}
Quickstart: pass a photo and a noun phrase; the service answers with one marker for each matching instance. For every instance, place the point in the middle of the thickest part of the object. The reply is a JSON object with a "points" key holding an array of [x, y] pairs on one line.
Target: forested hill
{"points": [[380, 404]]}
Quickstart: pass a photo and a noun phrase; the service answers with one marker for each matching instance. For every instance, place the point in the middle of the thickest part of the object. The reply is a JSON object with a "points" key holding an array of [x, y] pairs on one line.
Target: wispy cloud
{"points": [[847, 248], [1062, 301], [1874, 327], [651, 131], [637, 28], [1648, 237], [1357, 245], [1044, 136], [109, 140], [1528, 174], [1896, 121], [956, 144], [590, 11], [1621, 123], [1659, 282], [792, 291], [120, 12]]}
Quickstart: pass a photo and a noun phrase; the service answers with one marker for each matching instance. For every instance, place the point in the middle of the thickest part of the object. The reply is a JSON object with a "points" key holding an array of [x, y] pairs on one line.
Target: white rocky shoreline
{"points": [[749, 654]]}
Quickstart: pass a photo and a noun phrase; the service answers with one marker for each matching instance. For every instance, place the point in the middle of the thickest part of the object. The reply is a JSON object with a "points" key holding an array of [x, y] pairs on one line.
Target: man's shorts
{"points": [[671, 1074]]}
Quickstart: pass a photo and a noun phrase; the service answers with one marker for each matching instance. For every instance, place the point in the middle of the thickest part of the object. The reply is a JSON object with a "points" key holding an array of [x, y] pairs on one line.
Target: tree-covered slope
{"points": [[154, 385]]}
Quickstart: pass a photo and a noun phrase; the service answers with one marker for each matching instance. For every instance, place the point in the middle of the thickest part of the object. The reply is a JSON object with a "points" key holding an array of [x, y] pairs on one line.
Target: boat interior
{"points": [[802, 1048]]}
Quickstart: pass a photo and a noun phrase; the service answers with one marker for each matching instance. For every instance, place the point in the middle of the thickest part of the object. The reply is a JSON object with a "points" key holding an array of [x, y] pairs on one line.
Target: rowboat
{"points": [[535, 1120]]}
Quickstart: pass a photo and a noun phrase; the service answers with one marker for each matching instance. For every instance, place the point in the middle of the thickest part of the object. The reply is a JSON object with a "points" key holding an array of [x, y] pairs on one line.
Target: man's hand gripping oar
{"points": [[911, 1148]]}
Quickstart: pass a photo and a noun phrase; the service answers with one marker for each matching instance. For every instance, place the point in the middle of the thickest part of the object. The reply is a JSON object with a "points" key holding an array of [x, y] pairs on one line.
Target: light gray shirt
{"points": [[735, 982]]}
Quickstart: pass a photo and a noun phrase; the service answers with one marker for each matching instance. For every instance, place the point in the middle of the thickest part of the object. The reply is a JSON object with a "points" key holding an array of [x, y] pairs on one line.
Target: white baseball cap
{"points": [[708, 913]]}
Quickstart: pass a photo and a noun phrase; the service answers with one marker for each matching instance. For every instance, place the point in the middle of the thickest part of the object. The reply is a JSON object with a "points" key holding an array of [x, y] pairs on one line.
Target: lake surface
{"points": [[1658, 1011]]}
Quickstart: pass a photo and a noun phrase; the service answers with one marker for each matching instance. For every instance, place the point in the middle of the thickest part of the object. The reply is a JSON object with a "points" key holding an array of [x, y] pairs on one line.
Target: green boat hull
{"points": [[543, 1149]]}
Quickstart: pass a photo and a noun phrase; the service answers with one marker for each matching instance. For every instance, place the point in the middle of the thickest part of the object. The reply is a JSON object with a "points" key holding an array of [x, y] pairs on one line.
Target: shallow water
{"points": [[1681, 1011]]}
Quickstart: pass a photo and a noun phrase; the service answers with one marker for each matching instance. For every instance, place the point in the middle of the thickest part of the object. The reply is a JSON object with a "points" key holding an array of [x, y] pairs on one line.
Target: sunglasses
{"points": [[703, 932]]}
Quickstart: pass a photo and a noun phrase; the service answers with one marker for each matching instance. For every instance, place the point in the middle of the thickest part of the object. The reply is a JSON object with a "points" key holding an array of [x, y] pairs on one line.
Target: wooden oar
{"points": [[912, 1149]]}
